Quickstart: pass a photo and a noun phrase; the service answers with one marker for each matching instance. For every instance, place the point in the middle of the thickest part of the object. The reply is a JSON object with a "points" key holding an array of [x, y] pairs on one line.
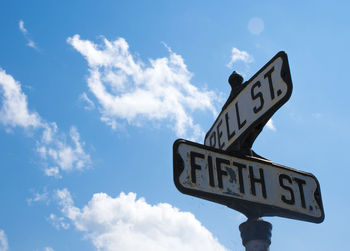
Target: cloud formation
{"points": [[30, 42], [89, 105], [239, 56], [58, 222], [128, 224], [127, 89], [3, 241], [39, 197], [64, 156], [14, 109], [21, 27], [59, 153]]}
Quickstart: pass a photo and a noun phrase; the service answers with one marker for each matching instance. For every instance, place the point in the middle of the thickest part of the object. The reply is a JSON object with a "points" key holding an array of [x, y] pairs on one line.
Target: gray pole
{"points": [[256, 234]]}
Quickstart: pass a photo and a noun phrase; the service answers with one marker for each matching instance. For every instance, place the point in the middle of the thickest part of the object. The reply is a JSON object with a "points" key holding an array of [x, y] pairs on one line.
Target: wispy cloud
{"points": [[58, 222], [65, 156], [21, 27], [4, 246], [89, 104], [39, 197], [128, 224], [59, 153], [14, 110], [239, 56], [130, 90], [30, 42]]}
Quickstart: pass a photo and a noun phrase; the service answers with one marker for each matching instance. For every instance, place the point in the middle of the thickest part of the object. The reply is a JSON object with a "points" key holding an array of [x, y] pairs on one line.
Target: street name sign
{"points": [[253, 186], [244, 117]]}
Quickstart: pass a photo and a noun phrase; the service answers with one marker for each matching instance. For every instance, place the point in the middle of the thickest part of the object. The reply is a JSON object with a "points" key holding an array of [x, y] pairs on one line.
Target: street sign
{"points": [[253, 186], [244, 117]]}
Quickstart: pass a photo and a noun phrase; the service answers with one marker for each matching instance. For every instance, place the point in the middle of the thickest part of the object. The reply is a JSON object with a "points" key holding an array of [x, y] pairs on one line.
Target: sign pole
{"points": [[256, 234]]}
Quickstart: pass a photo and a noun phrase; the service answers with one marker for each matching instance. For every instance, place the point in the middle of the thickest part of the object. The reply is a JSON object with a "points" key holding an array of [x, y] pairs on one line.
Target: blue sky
{"points": [[94, 93]]}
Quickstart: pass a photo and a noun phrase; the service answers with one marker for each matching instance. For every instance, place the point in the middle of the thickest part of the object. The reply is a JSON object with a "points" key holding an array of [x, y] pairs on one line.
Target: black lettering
{"points": [[211, 172], [300, 183], [240, 125], [254, 180], [290, 201], [268, 75], [240, 175], [194, 166], [229, 135], [219, 135], [219, 171], [257, 95], [212, 136]]}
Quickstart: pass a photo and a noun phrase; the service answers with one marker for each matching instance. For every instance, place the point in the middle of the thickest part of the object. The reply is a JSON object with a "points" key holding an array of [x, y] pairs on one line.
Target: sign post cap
{"points": [[255, 230], [235, 79]]}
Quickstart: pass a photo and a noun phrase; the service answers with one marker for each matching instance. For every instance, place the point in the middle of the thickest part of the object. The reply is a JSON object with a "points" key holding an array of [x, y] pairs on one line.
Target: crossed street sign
{"points": [[253, 186], [222, 172], [244, 117]]}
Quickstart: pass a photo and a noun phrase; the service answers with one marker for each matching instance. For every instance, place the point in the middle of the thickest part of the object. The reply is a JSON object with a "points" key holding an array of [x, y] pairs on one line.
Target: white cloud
{"points": [[14, 107], [128, 224], [270, 125], [3, 241], [48, 249], [39, 197], [237, 55], [64, 156], [128, 89], [52, 146], [32, 44], [90, 105], [256, 25], [21, 27], [53, 172], [24, 31], [58, 222]]}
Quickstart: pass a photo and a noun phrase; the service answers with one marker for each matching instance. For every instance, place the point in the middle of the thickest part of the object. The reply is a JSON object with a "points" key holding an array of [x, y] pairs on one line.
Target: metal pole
{"points": [[256, 234]]}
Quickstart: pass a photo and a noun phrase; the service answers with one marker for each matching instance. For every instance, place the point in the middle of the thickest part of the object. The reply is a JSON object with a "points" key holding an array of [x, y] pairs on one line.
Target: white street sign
{"points": [[261, 97], [253, 186]]}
